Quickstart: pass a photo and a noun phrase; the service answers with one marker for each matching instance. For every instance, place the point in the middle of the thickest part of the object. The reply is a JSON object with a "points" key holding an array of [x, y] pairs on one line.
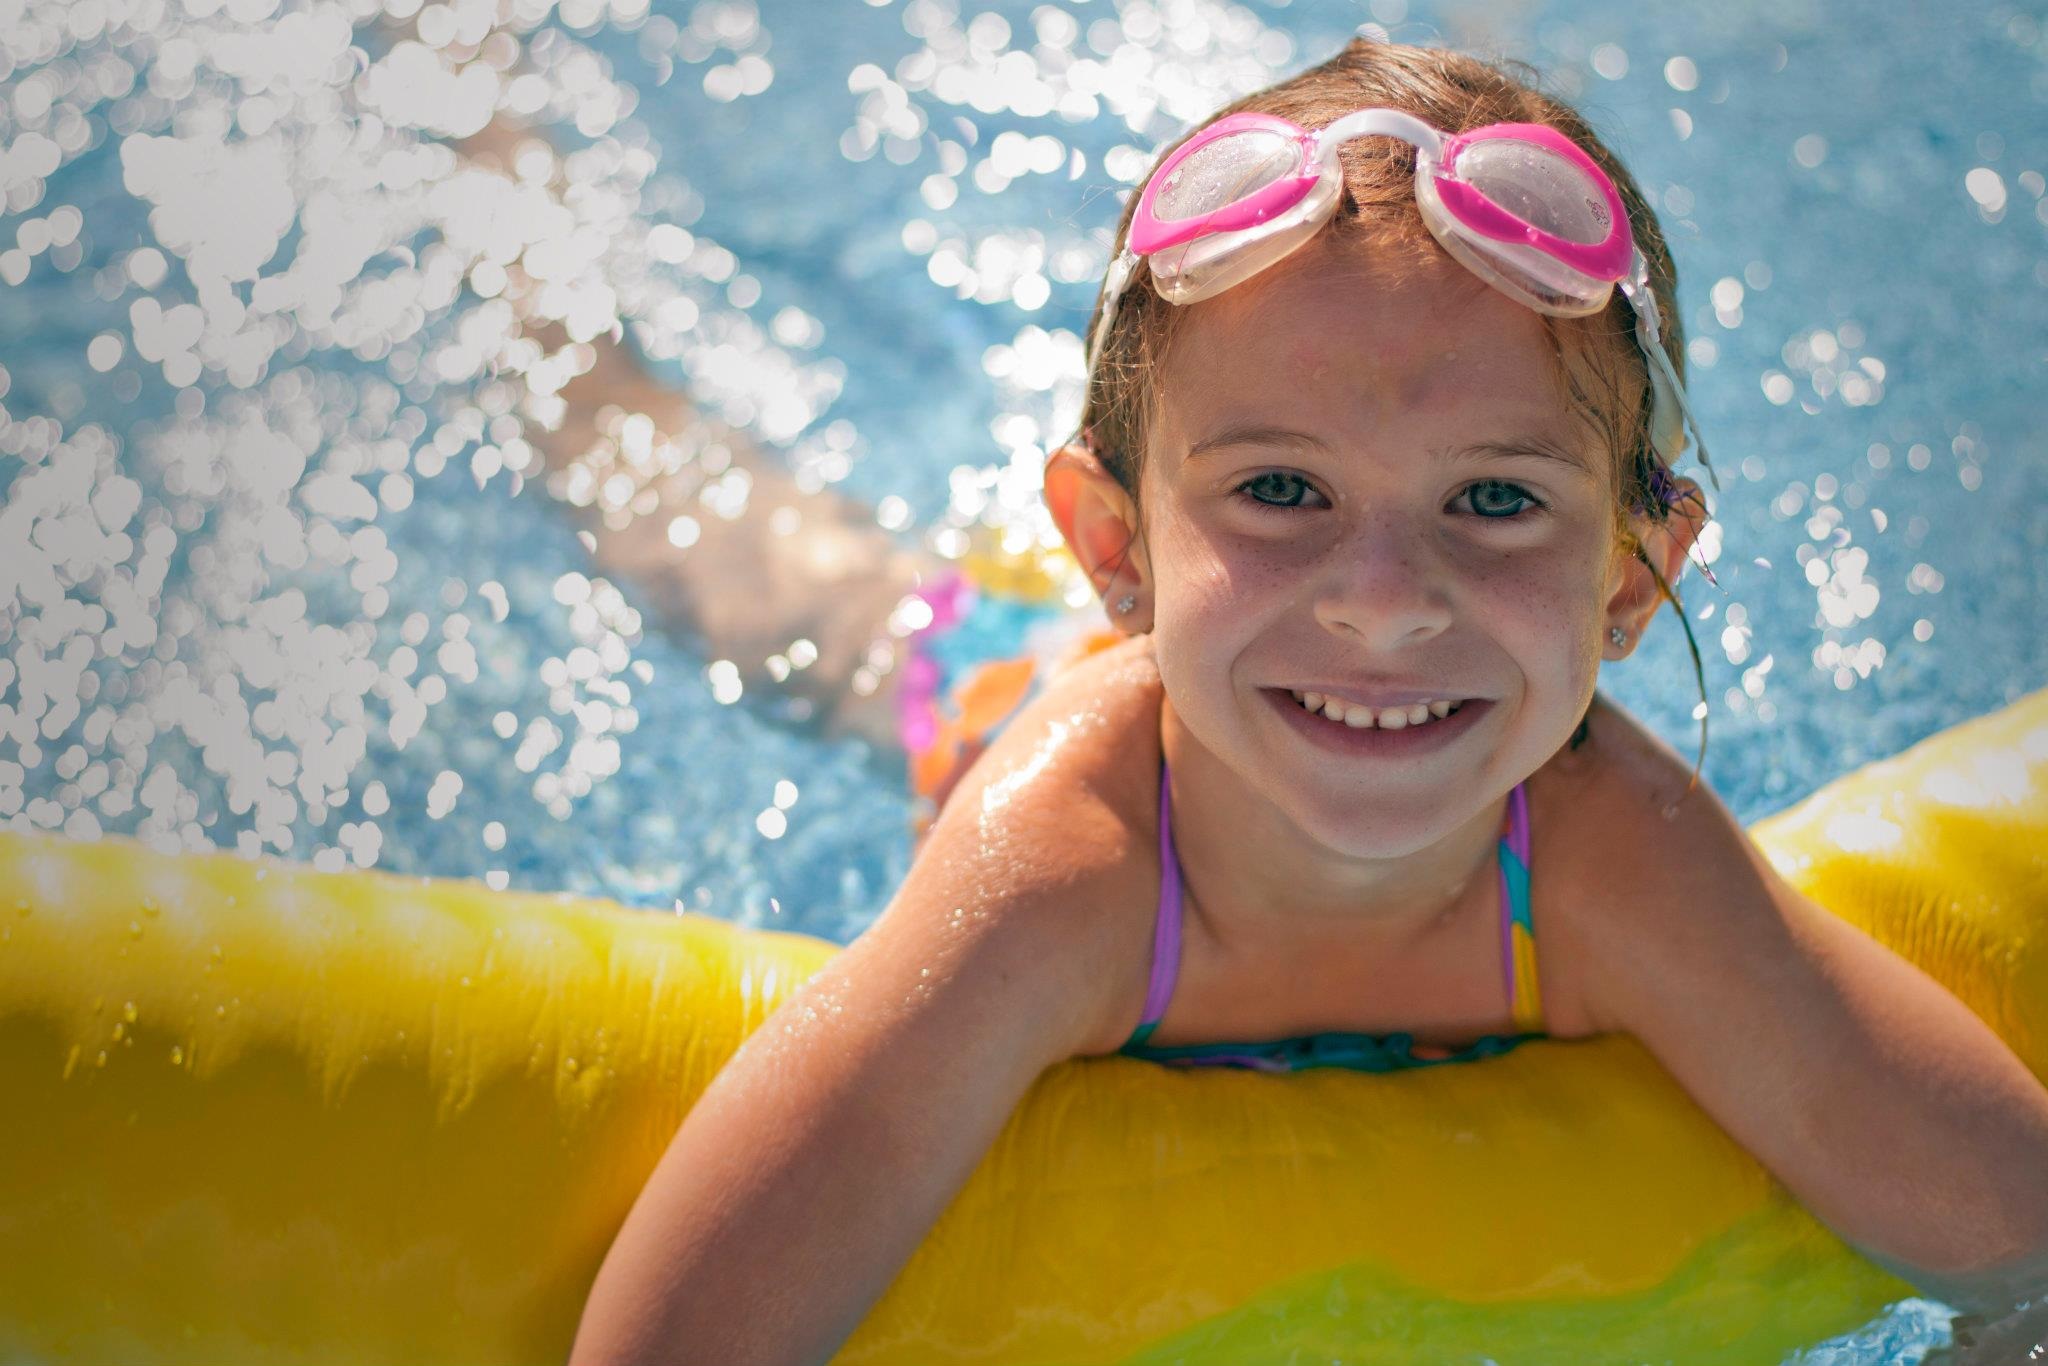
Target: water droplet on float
{"points": [[128, 1011], [100, 1059], [177, 1055]]}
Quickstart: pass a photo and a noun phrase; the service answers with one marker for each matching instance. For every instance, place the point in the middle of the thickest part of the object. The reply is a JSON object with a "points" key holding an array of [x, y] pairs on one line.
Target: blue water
{"points": [[1855, 206]]}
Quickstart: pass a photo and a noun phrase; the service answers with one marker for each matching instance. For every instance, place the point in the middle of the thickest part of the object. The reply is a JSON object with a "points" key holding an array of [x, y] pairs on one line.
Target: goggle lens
{"points": [[1537, 186], [1222, 172]]}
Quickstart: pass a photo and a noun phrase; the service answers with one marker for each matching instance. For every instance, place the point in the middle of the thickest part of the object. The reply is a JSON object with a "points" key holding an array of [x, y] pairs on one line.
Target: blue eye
{"points": [[1280, 479], [1498, 500]]}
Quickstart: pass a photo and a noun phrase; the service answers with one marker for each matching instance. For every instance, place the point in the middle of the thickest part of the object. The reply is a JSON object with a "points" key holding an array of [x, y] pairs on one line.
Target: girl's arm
{"points": [[814, 1165], [1885, 1106]]}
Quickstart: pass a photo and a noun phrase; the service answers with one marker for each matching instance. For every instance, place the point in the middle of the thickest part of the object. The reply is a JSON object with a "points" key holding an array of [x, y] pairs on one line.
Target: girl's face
{"points": [[1366, 477]]}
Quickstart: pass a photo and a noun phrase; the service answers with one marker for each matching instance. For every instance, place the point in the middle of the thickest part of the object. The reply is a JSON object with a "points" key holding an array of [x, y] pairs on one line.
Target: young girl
{"points": [[1374, 473]]}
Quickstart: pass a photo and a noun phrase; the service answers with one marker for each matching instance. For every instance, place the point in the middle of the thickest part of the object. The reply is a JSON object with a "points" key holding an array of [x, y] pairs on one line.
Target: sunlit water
{"points": [[272, 578]]}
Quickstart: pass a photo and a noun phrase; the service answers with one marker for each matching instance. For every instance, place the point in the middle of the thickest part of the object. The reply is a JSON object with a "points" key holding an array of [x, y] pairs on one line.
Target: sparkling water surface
{"points": [[278, 572]]}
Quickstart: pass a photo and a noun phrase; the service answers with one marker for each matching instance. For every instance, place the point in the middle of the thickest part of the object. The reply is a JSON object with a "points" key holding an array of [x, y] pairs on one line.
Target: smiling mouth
{"points": [[1377, 718]]}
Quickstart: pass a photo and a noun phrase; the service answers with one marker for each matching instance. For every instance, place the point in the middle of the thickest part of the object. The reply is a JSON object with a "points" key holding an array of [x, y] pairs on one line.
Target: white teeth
{"points": [[1387, 718]]}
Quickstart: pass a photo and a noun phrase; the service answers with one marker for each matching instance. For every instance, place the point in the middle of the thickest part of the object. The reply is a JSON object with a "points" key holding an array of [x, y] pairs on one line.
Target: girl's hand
{"points": [[1885, 1106]]}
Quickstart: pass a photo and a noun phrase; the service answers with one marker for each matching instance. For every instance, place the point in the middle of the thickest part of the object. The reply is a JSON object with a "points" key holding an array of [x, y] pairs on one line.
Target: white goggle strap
{"points": [[1665, 391], [1112, 291], [1668, 436]]}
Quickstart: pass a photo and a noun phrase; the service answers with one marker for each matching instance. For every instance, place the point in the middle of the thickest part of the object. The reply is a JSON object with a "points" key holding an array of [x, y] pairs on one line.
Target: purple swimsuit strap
{"points": [[1166, 927], [1518, 822]]}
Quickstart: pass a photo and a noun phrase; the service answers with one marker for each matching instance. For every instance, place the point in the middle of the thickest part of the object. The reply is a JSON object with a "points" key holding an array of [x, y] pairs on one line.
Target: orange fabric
{"points": [[978, 706], [992, 692], [1091, 643], [976, 709], [929, 766]]}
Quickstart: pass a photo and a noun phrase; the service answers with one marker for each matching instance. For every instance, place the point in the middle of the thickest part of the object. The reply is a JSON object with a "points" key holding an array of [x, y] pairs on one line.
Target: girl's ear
{"points": [[1634, 594], [1100, 524]]}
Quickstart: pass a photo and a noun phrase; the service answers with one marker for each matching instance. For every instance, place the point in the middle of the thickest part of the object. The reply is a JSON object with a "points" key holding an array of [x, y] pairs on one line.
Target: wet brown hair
{"points": [[1594, 358]]}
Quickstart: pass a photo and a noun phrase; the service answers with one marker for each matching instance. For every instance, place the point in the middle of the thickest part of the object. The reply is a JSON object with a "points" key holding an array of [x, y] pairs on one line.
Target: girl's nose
{"points": [[1384, 587]]}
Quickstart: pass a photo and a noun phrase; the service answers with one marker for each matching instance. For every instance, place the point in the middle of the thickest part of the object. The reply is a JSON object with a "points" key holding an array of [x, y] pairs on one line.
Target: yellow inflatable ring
{"points": [[256, 1113]]}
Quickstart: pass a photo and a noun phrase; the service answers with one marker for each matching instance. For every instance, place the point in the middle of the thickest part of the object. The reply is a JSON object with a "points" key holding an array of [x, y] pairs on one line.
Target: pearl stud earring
{"points": [[1617, 635], [1126, 602]]}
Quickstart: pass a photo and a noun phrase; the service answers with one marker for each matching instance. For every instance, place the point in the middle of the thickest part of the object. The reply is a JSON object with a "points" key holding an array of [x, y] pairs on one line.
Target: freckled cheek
{"points": [[1551, 613], [1206, 609], [1216, 591]]}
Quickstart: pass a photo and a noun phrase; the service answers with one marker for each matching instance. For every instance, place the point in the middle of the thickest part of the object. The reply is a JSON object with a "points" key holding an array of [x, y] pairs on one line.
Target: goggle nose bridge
{"points": [[1427, 141]]}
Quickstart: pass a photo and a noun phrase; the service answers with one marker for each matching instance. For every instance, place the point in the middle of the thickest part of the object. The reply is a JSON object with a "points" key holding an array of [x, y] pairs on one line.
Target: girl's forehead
{"points": [[1340, 324], [1339, 337]]}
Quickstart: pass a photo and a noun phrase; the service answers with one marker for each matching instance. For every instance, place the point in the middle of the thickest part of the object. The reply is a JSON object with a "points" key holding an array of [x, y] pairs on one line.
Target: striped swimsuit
{"points": [[1360, 1052]]}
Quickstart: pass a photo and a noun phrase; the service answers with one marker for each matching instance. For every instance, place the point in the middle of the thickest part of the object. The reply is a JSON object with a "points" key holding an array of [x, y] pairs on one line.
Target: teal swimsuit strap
{"points": [[1514, 887]]}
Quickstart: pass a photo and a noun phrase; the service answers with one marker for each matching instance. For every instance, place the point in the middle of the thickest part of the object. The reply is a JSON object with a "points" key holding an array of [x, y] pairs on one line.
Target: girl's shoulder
{"points": [[1620, 767], [1626, 845], [1056, 820], [1091, 730]]}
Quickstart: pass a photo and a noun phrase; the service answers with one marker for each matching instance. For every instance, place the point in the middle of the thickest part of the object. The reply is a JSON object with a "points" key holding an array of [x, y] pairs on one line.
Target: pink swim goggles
{"points": [[1518, 203]]}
